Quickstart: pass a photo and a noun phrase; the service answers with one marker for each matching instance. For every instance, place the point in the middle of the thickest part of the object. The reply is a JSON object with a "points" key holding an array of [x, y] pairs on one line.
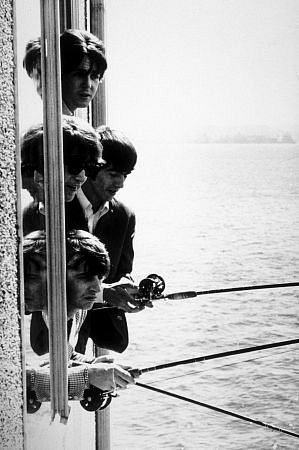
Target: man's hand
{"points": [[123, 296], [109, 376], [104, 358], [110, 359]]}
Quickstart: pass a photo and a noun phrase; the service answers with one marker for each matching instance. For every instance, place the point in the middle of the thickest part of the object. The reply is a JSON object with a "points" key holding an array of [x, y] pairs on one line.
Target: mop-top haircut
{"points": [[120, 153], [81, 247], [74, 45], [81, 148]]}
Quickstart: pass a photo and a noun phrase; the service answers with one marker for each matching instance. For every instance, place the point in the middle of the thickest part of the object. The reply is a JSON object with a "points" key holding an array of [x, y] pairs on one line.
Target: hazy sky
{"points": [[179, 68], [182, 66]]}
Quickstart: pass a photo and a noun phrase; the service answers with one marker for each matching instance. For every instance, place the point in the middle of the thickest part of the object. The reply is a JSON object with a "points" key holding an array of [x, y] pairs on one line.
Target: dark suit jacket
{"points": [[34, 220], [107, 327], [116, 230]]}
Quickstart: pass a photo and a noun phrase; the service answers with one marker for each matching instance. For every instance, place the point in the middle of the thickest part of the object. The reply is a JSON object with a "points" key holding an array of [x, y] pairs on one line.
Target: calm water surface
{"points": [[209, 217]]}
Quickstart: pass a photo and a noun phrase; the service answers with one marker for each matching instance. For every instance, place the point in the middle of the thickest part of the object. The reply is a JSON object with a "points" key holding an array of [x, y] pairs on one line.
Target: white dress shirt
{"points": [[91, 216]]}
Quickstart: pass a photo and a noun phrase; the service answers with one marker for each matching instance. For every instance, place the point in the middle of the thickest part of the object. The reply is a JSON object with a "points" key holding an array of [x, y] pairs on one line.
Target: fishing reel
{"points": [[33, 404], [151, 287], [95, 399]]}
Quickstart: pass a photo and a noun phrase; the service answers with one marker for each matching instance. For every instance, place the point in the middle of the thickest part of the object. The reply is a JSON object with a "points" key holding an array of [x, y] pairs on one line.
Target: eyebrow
{"points": [[81, 69], [123, 172]]}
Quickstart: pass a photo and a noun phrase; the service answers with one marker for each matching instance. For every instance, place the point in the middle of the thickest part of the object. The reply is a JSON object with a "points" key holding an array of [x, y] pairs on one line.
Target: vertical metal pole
{"points": [[99, 113], [69, 14], [97, 27], [54, 206]]}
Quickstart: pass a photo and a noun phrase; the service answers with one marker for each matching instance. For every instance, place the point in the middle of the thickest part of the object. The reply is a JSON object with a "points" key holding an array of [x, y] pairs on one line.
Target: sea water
{"points": [[208, 217]]}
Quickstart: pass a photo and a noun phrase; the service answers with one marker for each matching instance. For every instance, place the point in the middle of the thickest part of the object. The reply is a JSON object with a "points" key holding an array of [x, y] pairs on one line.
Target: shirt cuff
{"points": [[78, 381]]}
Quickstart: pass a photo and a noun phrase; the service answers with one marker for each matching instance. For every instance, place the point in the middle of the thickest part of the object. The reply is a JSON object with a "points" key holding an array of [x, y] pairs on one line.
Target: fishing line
{"points": [[195, 372], [220, 410]]}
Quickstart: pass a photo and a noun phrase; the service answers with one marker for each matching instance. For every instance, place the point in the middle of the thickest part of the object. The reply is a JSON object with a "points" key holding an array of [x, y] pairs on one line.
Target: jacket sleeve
{"points": [[127, 255], [39, 382], [32, 219]]}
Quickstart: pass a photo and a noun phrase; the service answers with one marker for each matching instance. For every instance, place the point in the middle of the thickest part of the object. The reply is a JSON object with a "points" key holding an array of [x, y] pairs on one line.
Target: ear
{"points": [[39, 184], [38, 178]]}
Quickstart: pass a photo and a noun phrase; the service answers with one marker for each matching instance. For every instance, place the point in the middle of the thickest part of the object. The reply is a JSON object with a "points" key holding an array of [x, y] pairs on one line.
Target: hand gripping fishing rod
{"points": [[95, 398], [151, 288]]}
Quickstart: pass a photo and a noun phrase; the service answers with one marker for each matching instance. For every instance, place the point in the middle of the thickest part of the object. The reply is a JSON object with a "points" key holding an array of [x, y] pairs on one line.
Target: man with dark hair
{"points": [[87, 264], [81, 156], [83, 64], [109, 219], [114, 224]]}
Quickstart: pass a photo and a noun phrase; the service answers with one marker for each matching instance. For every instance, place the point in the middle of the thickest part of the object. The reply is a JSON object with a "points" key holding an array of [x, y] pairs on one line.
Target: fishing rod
{"points": [[94, 398], [217, 409], [221, 366], [138, 372], [151, 288]]}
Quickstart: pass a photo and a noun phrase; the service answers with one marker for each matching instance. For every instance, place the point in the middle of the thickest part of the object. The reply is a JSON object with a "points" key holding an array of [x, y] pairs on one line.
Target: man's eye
{"points": [[118, 174], [78, 73], [95, 76], [85, 276]]}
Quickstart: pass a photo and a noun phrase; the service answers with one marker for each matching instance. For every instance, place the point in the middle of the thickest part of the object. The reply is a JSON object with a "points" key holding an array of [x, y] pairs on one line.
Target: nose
{"points": [[38, 86], [87, 80], [119, 181], [95, 284], [80, 177]]}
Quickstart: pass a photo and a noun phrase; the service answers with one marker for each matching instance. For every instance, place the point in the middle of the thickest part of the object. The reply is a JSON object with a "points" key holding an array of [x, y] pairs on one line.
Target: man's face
{"points": [[35, 284], [80, 86], [72, 182], [82, 288], [108, 182]]}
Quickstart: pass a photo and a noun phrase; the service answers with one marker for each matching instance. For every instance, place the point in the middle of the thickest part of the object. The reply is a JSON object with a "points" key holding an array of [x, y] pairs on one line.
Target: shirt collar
{"points": [[85, 203], [65, 110], [41, 208]]}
